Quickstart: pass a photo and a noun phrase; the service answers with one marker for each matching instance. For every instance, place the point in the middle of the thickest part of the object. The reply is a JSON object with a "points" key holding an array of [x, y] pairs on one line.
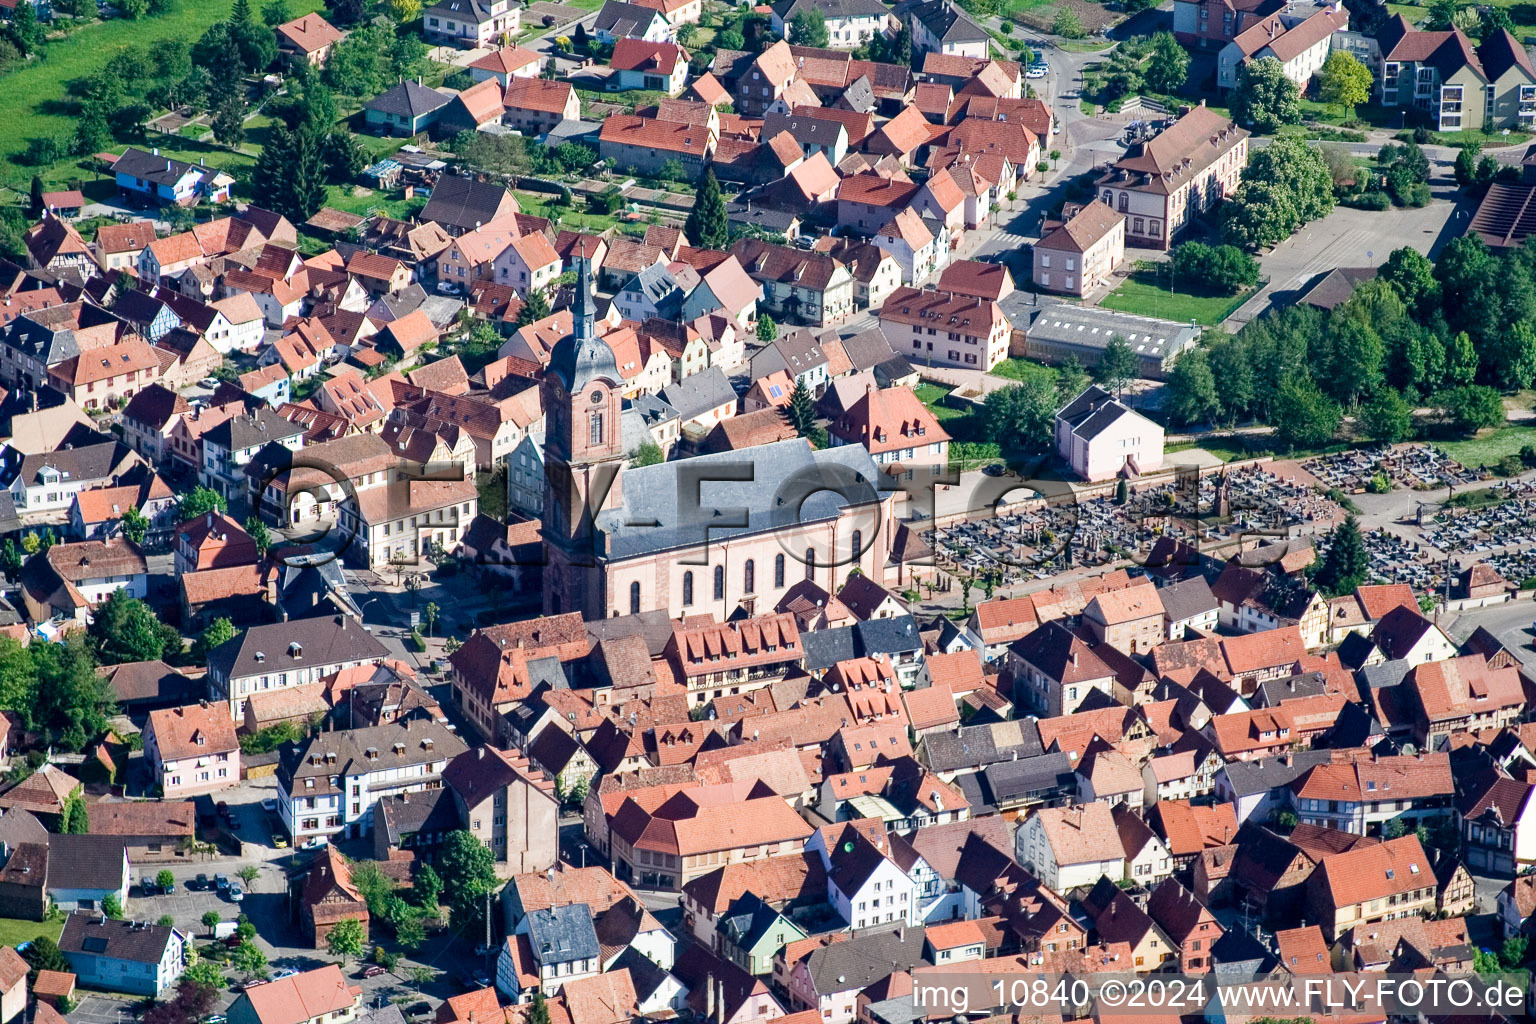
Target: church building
{"points": [[706, 535]]}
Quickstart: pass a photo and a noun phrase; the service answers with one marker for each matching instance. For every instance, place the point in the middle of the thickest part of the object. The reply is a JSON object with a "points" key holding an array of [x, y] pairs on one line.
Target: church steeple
{"points": [[581, 308]]}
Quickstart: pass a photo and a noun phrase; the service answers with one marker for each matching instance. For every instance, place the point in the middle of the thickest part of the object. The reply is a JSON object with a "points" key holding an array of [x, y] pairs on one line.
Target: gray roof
{"points": [[402, 744], [806, 130], [795, 352], [89, 462], [461, 202], [1093, 412], [895, 635], [161, 170], [975, 746], [1187, 599], [269, 649], [1385, 674], [947, 23], [1249, 778], [826, 647], [747, 920], [85, 862], [252, 430], [1089, 328], [461, 10], [698, 393], [560, 935], [620, 19], [90, 934], [865, 959], [1039, 776], [31, 335], [408, 99], [760, 489], [787, 9]]}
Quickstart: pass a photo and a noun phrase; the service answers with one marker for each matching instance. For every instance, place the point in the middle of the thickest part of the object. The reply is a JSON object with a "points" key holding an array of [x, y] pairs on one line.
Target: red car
{"points": [[373, 971]]}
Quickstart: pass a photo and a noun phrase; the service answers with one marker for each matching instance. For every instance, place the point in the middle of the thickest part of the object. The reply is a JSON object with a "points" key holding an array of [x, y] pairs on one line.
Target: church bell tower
{"points": [[583, 452]]}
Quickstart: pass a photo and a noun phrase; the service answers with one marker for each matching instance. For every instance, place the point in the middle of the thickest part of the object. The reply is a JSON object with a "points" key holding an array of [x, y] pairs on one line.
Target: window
{"points": [[597, 429], [858, 545], [810, 563], [634, 598], [719, 583], [687, 588], [778, 570], [749, 576]]}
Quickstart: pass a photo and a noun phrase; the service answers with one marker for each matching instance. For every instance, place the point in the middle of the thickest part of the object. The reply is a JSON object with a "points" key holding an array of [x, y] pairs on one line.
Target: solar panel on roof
{"points": [[94, 944]]}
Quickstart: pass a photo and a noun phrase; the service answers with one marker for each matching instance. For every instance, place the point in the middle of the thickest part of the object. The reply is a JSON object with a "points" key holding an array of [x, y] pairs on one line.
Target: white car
{"points": [[211, 383], [1036, 71]]}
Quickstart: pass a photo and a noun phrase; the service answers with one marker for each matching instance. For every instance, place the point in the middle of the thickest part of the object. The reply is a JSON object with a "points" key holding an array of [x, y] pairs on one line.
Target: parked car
{"points": [[286, 972], [215, 1018], [202, 883], [212, 384], [221, 882], [373, 971], [314, 843], [279, 841], [236, 894]]}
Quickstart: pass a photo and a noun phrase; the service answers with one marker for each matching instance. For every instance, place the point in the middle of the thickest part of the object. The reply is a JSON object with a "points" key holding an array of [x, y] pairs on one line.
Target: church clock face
{"points": [[597, 398]]}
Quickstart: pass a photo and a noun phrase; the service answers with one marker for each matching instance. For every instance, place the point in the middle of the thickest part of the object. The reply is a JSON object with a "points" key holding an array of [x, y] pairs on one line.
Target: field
{"points": [[32, 99], [1024, 369], [1141, 296], [14, 931], [1489, 448]]}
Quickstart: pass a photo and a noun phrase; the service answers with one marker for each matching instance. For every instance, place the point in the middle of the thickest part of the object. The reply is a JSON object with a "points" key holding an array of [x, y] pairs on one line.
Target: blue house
{"points": [[84, 870], [165, 181], [122, 956], [405, 109]]}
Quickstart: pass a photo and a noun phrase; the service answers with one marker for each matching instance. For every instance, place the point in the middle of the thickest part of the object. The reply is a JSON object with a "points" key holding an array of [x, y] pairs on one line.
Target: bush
{"points": [[1379, 484], [1416, 195], [1528, 454], [1509, 465], [1369, 201], [417, 643], [42, 151]]}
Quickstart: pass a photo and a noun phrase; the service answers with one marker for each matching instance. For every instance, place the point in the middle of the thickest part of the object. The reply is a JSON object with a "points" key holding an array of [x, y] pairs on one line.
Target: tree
{"points": [[292, 170], [135, 525], [767, 330], [1413, 276], [427, 888], [1067, 25], [1191, 395], [1168, 64], [1460, 360], [1264, 98], [199, 500], [535, 307], [219, 631], [74, 819], [43, 954], [248, 874], [259, 533], [1495, 20], [345, 939], [204, 974], [809, 28], [472, 867], [1354, 366], [538, 1010], [1304, 417], [228, 121], [646, 453], [165, 879], [410, 933], [1471, 408], [36, 208], [249, 960], [1511, 356], [730, 39], [1020, 416], [92, 132], [706, 224], [900, 51], [802, 413], [1344, 82], [126, 630], [1223, 269], [1285, 185], [1071, 380], [1118, 365], [112, 906], [1387, 417], [432, 614], [404, 11], [1346, 563], [210, 919], [1442, 15]]}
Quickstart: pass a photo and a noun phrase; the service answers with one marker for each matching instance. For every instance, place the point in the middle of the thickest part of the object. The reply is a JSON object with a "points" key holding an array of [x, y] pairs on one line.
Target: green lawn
{"points": [[1024, 369], [1141, 296], [1489, 448], [575, 217], [347, 198], [30, 98], [14, 931]]}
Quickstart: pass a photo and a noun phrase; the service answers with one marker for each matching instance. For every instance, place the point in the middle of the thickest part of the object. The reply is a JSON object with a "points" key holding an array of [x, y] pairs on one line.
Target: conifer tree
{"points": [[706, 226]]}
